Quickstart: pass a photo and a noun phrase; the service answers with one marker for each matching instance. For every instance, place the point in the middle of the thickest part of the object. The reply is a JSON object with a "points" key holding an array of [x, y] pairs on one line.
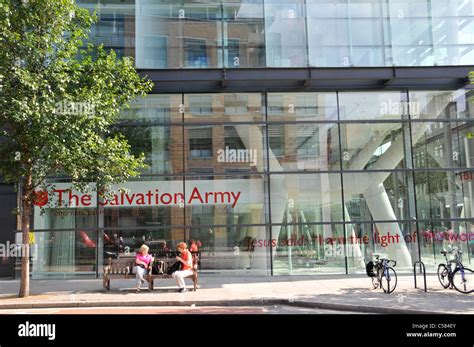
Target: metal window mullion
{"points": [[267, 175], [342, 183], [409, 162]]}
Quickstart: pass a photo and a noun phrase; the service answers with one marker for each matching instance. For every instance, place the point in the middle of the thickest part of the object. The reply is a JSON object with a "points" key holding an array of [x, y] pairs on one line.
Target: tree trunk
{"points": [[25, 230]]}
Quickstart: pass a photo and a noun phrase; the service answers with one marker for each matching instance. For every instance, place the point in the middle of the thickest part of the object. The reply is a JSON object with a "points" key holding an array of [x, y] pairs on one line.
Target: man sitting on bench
{"points": [[186, 260]]}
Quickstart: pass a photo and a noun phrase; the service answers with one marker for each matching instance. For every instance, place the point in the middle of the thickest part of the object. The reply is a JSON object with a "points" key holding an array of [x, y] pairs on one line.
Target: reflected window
{"points": [[155, 52], [237, 173], [285, 36], [307, 141], [200, 105], [275, 105], [195, 53], [202, 173], [276, 140], [306, 105], [233, 53], [302, 106], [244, 37], [200, 142], [110, 31], [236, 104]]}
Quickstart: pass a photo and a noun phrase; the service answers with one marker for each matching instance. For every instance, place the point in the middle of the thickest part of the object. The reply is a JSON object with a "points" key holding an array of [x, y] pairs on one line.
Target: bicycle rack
{"points": [[422, 270]]}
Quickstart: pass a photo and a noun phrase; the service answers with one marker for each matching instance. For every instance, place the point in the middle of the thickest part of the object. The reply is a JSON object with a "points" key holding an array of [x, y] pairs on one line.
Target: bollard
{"points": [[422, 270]]}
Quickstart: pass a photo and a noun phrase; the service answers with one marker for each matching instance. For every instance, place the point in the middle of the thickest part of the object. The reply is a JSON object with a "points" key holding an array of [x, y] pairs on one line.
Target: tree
{"points": [[58, 102]]}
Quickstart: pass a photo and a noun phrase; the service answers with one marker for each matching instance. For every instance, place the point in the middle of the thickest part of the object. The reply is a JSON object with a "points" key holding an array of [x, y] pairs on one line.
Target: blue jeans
{"points": [[140, 272]]}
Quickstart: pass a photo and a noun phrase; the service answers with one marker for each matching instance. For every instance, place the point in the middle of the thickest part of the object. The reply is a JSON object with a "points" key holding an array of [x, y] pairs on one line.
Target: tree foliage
{"points": [[58, 100]]}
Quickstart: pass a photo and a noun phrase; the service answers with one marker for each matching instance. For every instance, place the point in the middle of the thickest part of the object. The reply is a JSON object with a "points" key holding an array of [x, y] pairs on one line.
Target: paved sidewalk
{"points": [[338, 292]]}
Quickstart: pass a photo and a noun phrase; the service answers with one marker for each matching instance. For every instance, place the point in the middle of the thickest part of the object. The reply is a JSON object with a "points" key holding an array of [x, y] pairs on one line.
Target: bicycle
{"points": [[385, 276], [461, 278]]}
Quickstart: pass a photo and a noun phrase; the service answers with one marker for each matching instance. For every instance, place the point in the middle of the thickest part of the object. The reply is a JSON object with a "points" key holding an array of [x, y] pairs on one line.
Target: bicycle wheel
{"points": [[463, 283], [389, 280], [443, 275]]}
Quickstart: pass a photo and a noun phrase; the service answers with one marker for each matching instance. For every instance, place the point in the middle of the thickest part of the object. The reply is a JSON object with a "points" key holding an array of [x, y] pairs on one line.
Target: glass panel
{"points": [[242, 107], [431, 32], [244, 39], [234, 248], [225, 200], [465, 177], [438, 145], [234, 185], [240, 34], [466, 144], [224, 148], [344, 33], [115, 26], [143, 213], [200, 142], [372, 105], [161, 145], [62, 254], [186, 35], [243, 148], [302, 106], [411, 33], [376, 196], [441, 104], [136, 203], [295, 147], [308, 249], [154, 109], [305, 198], [395, 241], [440, 235], [440, 195], [362, 244], [125, 243], [153, 217], [285, 37], [372, 146]]}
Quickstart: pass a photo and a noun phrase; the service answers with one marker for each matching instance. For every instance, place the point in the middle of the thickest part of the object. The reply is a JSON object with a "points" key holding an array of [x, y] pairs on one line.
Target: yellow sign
{"points": [[32, 239], [471, 77]]}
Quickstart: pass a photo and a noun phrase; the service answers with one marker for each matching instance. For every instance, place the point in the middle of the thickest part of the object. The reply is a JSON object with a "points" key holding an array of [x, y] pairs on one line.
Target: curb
{"points": [[360, 308], [242, 302]]}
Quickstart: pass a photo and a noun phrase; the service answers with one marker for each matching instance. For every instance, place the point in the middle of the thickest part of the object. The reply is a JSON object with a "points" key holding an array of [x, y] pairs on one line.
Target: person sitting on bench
{"points": [[186, 260], [143, 263]]}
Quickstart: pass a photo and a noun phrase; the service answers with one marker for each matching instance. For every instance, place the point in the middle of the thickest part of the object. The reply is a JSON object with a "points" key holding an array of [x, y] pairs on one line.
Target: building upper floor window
{"points": [[236, 104], [200, 142], [296, 33], [200, 105], [195, 52]]}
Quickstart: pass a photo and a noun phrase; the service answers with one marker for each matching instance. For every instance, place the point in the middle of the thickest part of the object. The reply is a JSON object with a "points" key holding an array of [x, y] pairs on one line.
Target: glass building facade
{"points": [[288, 33], [282, 182]]}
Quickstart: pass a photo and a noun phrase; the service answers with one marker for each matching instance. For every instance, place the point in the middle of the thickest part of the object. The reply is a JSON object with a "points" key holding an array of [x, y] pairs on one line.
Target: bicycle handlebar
{"points": [[456, 252], [388, 261], [453, 251]]}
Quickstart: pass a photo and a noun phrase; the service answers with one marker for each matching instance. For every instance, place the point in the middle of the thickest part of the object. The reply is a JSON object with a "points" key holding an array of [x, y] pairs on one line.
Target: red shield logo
{"points": [[41, 198]]}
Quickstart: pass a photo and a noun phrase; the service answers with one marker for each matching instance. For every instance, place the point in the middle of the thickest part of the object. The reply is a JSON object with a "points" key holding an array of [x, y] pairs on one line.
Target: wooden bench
{"points": [[121, 268]]}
